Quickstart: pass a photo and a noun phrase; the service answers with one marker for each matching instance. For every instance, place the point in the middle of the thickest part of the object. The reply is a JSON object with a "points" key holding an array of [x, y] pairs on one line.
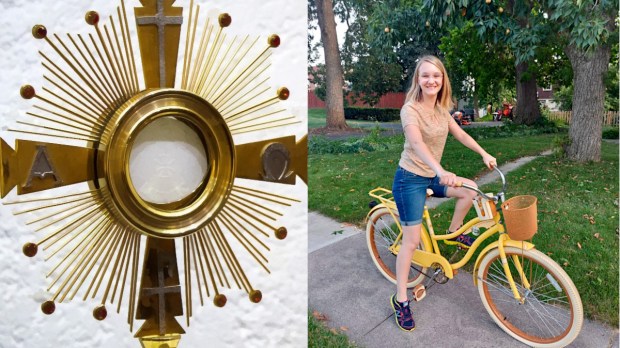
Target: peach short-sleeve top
{"points": [[434, 129]]}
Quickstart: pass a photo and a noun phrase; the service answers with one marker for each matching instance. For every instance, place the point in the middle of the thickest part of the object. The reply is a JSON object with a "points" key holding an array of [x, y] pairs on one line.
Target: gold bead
{"points": [[274, 40], [224, 19], [48, 307], [27, 92], [256, 296], [281, 233], [100, 312], [92, 17], [30, 249], [219, 300], [39, 31], [283, 93]]}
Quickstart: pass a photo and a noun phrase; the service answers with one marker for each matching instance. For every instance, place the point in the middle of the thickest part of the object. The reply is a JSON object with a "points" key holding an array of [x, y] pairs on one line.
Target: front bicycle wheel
{"points": [[551, 314], [381, 232]]}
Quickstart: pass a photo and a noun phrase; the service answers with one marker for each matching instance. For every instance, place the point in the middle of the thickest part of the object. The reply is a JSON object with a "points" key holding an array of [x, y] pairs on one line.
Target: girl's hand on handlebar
{"points": [[489, 161], [447, 178]]}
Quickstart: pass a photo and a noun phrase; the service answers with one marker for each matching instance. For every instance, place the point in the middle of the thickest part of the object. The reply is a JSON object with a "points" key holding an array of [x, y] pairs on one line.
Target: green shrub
{"points": [[372, 114], [320, 145], [610, 133], [560, 144], [372, 142], [509, 129]]}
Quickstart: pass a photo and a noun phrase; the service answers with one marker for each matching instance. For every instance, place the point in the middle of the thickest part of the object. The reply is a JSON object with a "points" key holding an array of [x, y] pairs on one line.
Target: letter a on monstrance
{"points": [[42, 167]]}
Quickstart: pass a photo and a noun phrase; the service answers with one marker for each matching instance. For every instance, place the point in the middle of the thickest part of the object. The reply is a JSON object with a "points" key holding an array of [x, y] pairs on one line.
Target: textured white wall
{"points": [[278, 321]]}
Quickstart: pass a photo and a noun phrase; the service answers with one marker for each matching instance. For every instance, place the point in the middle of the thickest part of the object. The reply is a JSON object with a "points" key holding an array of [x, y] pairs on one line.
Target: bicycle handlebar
{"points": [[498, 197]]}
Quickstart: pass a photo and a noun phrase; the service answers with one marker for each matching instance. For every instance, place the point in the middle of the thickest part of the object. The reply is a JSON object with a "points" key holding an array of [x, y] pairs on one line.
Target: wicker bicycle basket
{"points": [[520, 216]]}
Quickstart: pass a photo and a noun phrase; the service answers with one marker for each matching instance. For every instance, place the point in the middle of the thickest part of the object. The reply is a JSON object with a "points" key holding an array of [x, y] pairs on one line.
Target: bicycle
{"points": [[526, 293]]}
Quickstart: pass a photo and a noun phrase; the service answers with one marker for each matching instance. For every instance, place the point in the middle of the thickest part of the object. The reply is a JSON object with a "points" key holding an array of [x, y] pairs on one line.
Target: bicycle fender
{"points": [[374, 209], [511, 243]]}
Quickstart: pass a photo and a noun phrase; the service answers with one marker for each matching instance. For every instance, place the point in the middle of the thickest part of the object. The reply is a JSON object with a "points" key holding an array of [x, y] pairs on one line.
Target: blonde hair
{"points": [[444, 97]]}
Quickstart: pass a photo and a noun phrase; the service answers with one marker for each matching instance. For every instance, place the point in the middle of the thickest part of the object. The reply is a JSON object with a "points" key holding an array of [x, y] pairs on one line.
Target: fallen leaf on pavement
{"points": [[319, 316]]}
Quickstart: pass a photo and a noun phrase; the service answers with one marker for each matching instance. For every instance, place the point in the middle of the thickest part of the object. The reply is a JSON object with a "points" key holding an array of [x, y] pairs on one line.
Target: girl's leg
{"points": [[463, 202], [410, 241]]}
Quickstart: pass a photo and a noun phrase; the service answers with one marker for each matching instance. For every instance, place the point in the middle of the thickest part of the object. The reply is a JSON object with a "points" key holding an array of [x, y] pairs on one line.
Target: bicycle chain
{"points": [[437, 273]]}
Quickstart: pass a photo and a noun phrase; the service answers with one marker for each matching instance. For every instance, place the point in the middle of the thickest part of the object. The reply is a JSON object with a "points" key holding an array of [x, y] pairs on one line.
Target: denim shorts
{"points": [[409, 191]]}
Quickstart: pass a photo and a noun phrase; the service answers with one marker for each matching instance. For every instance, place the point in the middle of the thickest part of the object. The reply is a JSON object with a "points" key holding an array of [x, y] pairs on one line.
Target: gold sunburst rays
{"points": [[82, 237], [89, 80], [93, 237], [231, 73], [208, 258]]}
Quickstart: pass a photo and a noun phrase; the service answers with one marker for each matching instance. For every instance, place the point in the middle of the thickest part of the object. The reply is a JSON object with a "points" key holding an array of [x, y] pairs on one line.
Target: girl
{"points": [[426, 123]]}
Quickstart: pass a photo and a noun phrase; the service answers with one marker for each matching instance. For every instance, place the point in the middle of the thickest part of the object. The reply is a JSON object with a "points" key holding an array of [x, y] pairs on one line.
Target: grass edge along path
{"points": [[321, 336]]}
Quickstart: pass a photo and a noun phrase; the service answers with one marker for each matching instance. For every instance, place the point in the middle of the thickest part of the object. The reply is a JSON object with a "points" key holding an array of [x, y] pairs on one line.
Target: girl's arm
{"points": [[414, 137], [469, 142]]}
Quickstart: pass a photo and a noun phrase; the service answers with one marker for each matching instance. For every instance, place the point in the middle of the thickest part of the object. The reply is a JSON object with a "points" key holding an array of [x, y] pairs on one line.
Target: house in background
{"points": [[391, 100], [545, 98]]}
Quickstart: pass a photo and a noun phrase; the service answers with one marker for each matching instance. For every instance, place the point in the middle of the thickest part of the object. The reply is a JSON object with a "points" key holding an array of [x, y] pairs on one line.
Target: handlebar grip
{"points": [[458, 184]]}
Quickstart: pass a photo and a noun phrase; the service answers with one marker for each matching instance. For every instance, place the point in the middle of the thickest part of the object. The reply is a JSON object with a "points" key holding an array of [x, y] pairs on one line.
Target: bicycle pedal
{"points": [[419, 292]]}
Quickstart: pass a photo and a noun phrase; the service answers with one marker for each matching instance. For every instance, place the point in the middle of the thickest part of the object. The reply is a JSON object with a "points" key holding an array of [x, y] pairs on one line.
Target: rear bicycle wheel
{"points": [[381, 232], [551, 314]]}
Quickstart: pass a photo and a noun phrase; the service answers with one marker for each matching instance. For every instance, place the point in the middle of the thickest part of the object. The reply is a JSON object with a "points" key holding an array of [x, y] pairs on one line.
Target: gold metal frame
{"points": [[191, 213], [100, 230]]}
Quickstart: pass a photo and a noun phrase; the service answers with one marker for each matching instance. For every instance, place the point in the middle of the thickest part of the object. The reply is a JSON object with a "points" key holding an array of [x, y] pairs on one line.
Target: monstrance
{"points": [[94, 237]]}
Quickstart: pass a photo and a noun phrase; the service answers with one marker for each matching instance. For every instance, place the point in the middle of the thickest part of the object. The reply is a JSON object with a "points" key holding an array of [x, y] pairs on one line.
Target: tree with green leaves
{"points": [[504, 22], [589, 30], [398, 34], [367, 72], [582, 28], [478, 70]]}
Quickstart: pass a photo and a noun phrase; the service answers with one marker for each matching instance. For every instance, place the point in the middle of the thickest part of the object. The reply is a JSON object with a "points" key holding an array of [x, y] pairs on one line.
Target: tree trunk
{"points": [[586, 123], [334, 102], [526, 110]]}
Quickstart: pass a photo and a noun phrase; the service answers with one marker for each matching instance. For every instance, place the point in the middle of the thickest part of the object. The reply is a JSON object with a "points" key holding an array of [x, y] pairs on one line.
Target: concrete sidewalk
{"points": [[345, 285]]}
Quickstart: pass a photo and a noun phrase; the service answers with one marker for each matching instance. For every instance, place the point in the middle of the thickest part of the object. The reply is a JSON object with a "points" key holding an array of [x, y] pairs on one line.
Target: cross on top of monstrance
{"points": [[97, 112]]}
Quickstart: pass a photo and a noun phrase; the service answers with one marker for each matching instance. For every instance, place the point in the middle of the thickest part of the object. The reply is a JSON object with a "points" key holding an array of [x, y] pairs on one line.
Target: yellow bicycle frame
{"points": [[433, 256]]}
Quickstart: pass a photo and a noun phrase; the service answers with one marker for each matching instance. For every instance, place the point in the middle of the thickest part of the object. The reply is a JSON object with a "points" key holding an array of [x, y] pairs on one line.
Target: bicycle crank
{"points": [[438, 275]]}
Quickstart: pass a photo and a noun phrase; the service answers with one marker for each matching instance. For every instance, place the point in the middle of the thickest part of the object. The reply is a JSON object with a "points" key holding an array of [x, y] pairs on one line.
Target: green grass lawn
{"points": [[577, 209], [339, 183], [577, 223], [320, 336], [316, 119]]}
